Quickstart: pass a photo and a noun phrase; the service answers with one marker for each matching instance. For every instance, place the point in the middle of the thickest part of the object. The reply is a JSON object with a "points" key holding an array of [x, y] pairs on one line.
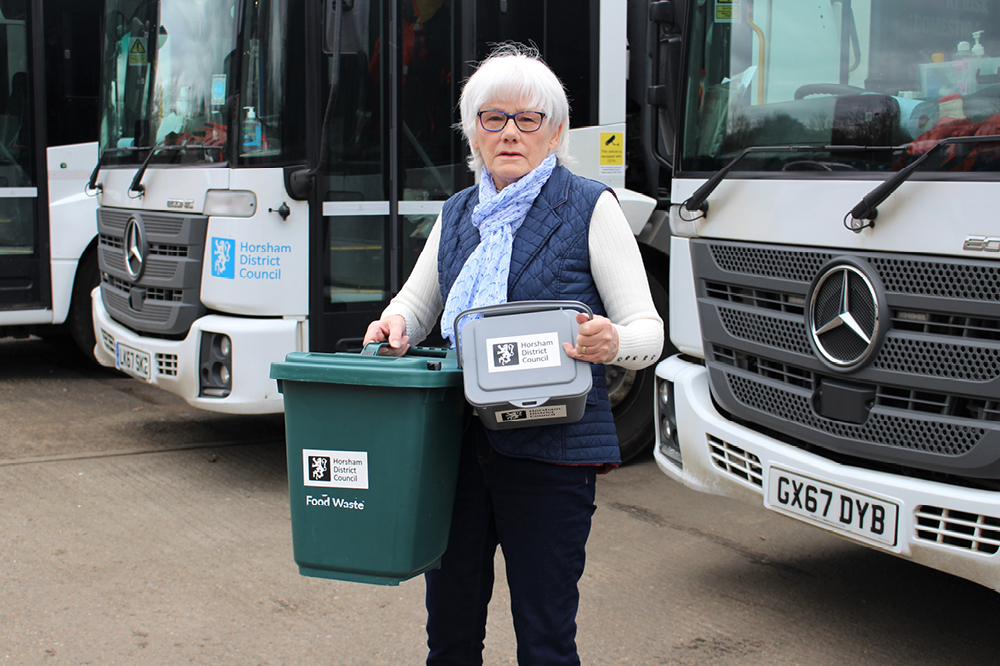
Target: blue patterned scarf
{"points": [[498, 215]]}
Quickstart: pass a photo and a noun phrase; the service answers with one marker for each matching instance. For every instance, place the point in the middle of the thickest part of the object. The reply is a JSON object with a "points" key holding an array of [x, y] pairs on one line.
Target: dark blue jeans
{"points": [[540, 515]]}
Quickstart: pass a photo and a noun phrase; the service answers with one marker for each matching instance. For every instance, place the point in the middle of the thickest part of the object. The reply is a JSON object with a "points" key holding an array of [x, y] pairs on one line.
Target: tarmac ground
{"points": [[137, 530]]}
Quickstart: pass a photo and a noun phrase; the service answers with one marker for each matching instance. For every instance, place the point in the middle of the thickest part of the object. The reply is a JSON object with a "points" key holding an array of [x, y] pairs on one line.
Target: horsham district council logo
{"points": [[505, 354], [223, 258]]}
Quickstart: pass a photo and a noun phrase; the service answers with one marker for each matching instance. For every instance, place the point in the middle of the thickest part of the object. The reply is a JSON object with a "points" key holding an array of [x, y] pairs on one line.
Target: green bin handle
{"points": [[516, 307], [373, 348]]}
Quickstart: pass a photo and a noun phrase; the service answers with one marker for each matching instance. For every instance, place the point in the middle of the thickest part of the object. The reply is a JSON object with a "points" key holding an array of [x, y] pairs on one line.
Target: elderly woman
{"points": [[530, 230]]}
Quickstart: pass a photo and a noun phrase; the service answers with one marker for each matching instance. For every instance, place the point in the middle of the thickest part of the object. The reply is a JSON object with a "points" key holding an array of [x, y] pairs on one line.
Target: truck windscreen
{"points": [[164, 83], [841, 73]]}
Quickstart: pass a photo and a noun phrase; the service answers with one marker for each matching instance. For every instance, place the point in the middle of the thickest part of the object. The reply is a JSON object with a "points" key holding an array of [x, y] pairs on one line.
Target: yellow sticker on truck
{"points": [[727, 11], [137, 52], [612, 151]]}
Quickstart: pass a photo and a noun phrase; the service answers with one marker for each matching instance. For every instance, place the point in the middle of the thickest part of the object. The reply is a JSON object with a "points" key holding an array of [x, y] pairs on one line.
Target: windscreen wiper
{"points": [[699, 200], [93, 187], [137, 185], [864, 213]]}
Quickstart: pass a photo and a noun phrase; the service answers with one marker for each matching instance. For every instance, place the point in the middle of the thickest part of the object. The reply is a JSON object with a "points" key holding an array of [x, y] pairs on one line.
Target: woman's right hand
{"points": [[391, 329]]}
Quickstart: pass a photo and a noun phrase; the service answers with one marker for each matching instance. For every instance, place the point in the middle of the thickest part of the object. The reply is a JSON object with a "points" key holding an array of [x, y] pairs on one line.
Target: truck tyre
{"points": [[631, 391], [80, 321]]}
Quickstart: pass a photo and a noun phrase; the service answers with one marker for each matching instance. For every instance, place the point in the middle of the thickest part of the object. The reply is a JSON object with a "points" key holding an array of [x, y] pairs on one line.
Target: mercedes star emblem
{"points": [[135, 248], [844, 315]]}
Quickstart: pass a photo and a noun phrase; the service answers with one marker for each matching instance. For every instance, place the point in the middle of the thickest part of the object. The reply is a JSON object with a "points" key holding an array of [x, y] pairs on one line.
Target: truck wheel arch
{"points": [[80, 321]]}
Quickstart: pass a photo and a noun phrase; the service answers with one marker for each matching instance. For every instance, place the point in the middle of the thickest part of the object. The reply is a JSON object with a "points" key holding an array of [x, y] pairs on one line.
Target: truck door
{"points": [[24, 272], [392, 158]]}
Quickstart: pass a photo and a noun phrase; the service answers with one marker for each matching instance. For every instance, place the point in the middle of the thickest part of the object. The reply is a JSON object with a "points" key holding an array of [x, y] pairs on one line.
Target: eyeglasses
{"points": [[526, 121]]}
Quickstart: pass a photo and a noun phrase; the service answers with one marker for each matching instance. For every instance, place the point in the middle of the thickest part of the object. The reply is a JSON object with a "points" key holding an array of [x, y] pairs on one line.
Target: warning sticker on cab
{"points": [[612, 153], [531, 414], [137, 52], [727, 11], [523, 352]]}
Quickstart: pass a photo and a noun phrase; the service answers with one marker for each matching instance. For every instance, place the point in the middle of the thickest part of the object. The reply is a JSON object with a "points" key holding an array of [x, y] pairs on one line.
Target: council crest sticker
{"points": [[223, 258], [335, 469], [524, 352], [505, 354]]}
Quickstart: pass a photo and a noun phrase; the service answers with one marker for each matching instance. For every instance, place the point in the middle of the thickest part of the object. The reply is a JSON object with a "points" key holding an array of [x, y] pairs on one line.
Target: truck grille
{"points": [[915, 355], [933, 385], [166, 364], [165, 299], [881, 428], [736, 461], [959, 529], [911, 275]]}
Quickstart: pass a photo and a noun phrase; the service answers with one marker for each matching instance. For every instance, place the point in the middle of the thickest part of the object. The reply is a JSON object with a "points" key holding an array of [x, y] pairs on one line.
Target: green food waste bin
{"points": [[373, 444]]}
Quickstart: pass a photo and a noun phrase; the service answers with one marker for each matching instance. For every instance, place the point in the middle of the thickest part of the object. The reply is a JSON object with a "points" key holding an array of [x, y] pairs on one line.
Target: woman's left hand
{"points": [[596, 340]]}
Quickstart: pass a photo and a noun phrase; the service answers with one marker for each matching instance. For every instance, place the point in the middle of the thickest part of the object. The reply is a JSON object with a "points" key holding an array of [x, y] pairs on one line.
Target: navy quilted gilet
{"points": [[550, 260]]}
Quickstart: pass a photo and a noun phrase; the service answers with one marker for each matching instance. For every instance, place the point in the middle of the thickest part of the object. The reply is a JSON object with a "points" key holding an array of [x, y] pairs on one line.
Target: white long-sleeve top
{"points": [[618, 272]]}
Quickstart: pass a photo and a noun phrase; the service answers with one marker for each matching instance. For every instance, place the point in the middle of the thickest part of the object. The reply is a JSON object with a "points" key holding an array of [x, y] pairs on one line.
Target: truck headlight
{"points": [[216, 365], [230, 203], [667, 441]]}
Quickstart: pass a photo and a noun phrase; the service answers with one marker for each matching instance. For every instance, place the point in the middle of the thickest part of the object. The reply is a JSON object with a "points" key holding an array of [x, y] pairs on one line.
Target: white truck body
{"points": [[835, 274]]}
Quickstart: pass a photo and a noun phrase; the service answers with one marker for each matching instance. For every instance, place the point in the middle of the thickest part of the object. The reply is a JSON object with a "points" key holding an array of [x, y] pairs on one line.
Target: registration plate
{"points": [[838, 508], [132, 361]]}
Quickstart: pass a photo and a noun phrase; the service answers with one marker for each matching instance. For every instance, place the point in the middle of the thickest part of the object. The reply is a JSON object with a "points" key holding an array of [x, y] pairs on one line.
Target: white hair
{"points": [[515, 73]]}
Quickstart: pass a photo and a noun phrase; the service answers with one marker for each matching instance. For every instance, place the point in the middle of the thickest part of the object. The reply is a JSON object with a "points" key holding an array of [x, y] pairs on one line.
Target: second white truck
{"points": [[835, 272]]}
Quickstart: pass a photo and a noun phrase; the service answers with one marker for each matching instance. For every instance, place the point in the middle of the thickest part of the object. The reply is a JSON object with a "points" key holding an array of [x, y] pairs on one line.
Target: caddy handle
{"points": [[516, 307]]}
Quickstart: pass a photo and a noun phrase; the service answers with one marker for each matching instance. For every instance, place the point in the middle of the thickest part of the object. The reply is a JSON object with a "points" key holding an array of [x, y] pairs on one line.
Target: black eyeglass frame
{"points": [[510, 117]]}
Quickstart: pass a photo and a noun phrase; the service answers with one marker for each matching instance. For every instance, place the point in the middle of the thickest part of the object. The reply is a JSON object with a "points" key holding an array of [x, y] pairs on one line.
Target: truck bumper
{"points": [[946, 527], [174, 364]]}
